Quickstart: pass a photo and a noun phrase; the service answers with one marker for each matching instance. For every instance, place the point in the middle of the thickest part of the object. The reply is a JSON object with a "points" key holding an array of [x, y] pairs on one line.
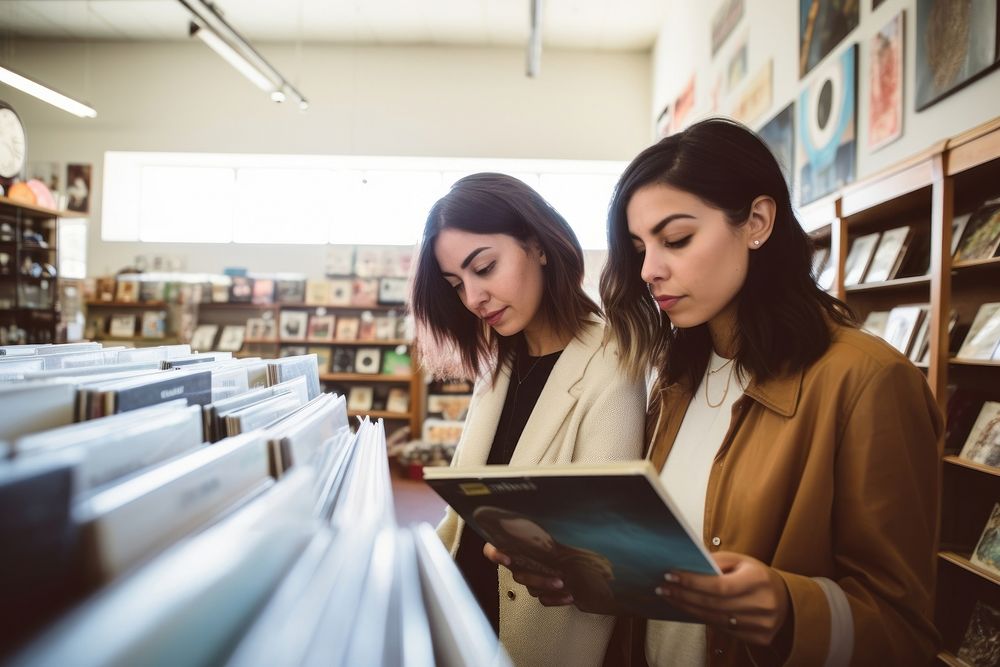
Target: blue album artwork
{"points": [[827, 127]]}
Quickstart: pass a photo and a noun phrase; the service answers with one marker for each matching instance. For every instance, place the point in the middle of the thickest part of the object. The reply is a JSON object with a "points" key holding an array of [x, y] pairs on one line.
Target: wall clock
{"points": [[13, 150]]}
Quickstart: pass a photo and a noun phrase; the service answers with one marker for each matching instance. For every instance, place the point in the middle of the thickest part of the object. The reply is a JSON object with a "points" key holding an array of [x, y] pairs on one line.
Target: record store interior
{"points": [[263, 402]]}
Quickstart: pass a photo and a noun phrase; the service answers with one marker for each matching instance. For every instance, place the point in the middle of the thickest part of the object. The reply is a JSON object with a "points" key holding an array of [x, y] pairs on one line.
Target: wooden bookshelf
{"points": [[363, 377], [926, 192], [395, 342]]}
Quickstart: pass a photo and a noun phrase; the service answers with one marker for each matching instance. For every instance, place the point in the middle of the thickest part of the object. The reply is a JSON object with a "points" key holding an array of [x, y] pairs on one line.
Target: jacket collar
{"points": [[779, 394]]}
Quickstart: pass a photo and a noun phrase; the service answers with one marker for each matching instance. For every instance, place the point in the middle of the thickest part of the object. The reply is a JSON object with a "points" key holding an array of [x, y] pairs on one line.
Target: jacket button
{"points": [[716, 541], [510, 595]]}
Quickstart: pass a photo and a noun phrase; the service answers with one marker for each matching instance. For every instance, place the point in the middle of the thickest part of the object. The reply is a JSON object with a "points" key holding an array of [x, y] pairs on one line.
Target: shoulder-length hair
{"points": [[783, 318], [451, 339]]}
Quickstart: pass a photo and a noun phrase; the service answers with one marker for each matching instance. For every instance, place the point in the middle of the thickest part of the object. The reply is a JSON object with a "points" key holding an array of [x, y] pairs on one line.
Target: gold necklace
{"points": [[725, 392]]}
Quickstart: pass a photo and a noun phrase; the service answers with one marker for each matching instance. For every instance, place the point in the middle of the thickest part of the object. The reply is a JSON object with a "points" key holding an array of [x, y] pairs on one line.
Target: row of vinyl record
{"points": [[251, 528], [291, 290], [907, 328], [301, 325], [904, 251]]}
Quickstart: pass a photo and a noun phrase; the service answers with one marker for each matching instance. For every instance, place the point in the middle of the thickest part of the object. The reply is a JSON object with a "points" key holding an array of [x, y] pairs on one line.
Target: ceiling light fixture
{"points": [[211, 28], [535, 40], [46, 94]]}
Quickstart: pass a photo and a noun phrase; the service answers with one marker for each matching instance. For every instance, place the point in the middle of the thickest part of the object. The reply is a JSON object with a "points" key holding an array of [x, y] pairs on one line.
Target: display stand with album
{"points": [[610, 531]]}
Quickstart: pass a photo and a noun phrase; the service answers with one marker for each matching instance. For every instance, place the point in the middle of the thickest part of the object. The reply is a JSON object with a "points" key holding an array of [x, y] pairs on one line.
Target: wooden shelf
{"points": [[888, 284], [379, 414], [166, 340], [130, 304], [388, 343], [363, 377], [237, 304], [989, 262], [948, 658], [399, 306], [40, 211], [972, 465], [985, 363], [969, 566], [260, 341]]}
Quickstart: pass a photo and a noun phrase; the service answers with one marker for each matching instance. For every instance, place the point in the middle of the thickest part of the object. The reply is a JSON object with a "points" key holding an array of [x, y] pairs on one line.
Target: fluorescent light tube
{"points": [[46, 94], [231, 56]]}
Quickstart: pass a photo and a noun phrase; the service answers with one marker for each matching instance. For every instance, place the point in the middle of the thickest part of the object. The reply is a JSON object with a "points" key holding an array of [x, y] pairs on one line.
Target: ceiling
{"points": [[600, 25]]}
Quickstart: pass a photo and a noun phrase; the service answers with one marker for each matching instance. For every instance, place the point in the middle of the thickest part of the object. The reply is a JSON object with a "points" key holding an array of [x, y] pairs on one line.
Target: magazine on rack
{"points": [[610, 531]]}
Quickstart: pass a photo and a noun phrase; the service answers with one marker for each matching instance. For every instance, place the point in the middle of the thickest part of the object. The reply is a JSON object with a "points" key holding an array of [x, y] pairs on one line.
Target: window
{"points": [[300, 199]]}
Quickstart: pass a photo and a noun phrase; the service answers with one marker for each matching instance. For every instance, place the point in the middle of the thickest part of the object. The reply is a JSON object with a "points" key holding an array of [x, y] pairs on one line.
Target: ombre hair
{"points": [[452, 340], [783, 318]]}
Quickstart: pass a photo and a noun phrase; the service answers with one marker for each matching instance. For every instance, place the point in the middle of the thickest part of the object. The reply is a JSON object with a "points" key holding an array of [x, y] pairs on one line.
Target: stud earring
{"points": [[756, 242]]}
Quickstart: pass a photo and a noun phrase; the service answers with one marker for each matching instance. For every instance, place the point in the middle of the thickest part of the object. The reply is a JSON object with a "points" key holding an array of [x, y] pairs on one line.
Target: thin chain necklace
{"points": [[519, 379], [729, 379]]}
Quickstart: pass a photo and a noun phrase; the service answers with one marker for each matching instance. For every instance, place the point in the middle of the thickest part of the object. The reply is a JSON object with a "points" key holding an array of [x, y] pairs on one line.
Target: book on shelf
{"points": [[154, 324], [127, 290], [364, 292], [983, 443], [367, 360], [610, 531], [875, 323], [348, 327], [343, 360], [360, 399], [220, 291], [397, 400], [902, 326], [368, 261], [293, 324], [317, 292], [203, 338], [983, 339], [231, 339], [292, 350], [106, 289], [339, 260], [392, 291], [290, 290], [152, 291], [262, 329], [987, 552], [366, 326], [981, 643], [341, 290], [122, 326], [323, 356], [396, 362], [385, 327], [982, 234], [859, 257], [889, 255], [241, 289], [321, 327], [958, 226], [263, 291], [452, 407]]}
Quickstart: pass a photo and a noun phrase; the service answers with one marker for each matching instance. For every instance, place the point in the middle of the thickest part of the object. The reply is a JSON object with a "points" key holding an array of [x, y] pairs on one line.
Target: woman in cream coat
{"points": [[499, 282]]}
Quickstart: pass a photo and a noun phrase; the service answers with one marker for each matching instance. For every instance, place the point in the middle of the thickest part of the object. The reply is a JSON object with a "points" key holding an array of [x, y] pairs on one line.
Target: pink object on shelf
{"points": [[43, 196]]}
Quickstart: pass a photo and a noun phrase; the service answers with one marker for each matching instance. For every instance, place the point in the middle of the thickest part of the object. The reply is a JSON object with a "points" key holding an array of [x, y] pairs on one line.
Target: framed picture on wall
{"points": [[885, 84], [779, 135], [822, 26], [956, 44], [725, 19], [78, 187], [827, 128]]}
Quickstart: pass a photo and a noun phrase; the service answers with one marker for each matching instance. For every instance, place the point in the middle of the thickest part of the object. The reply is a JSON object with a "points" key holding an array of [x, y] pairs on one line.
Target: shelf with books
{"points": [[914, 252], [392, 342], [29, 296], [363, 377], [967, 565]]}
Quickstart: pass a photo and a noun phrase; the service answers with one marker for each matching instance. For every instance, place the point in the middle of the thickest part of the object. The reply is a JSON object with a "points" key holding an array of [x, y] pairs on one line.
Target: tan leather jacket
{"points": [[831, 473]]}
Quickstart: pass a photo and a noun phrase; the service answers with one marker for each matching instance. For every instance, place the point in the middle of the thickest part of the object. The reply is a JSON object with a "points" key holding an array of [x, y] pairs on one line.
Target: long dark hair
{"points": [[783, 318], [493, 204]]}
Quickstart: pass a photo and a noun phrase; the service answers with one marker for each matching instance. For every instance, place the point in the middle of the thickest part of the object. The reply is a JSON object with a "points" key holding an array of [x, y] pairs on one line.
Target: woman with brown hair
{"points": [[804, 451], [498, 294]]}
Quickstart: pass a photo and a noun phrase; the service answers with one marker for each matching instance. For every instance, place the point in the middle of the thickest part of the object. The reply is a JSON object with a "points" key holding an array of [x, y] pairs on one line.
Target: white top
{"points": [[685, 477]]}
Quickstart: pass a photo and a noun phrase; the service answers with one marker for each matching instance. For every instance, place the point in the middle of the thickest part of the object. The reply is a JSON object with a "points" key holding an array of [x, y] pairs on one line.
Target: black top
{"points": [[481, 574]]}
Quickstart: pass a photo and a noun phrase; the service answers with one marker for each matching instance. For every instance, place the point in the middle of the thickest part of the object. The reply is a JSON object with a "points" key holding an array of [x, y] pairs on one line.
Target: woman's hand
{"points": [[749, 599], [549, 591]]}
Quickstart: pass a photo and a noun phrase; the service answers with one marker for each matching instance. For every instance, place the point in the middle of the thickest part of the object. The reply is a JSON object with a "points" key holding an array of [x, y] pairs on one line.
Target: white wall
{"points": [[772, 30], [415, 101]]}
